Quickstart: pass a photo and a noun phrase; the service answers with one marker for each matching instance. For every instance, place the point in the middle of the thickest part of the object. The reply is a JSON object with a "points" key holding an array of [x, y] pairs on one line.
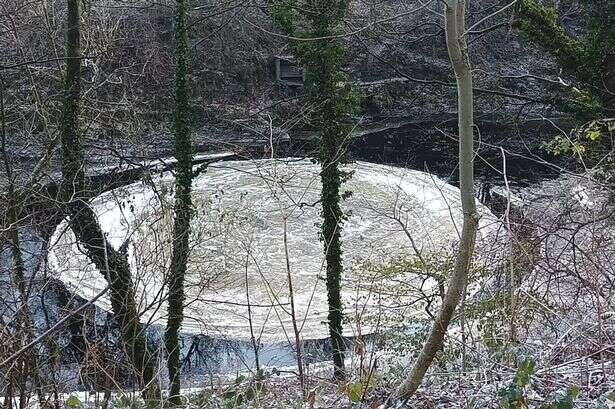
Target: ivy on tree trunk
{"points": [[589, 59], [112, 263], [183, 204], [320, 50], [588, 63]]}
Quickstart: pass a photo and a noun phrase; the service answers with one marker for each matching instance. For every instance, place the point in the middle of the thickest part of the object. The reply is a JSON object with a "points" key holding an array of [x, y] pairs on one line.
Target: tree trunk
{"points": [[24, 314], [608, 69], [293, 315], [183, 205], [578, 56], [458, 52], [332, 100], [109, 261], [332, 218]]}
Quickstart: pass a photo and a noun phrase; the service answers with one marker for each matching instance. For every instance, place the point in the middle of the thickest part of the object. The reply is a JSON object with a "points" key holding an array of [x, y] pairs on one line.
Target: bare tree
{"points": [[111, 262], [456, 41]]}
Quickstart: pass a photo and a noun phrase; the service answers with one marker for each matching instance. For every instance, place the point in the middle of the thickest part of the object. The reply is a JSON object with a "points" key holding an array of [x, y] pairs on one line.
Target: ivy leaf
{"points": [[566, 401], [73, 402], [594, 135], [525, 372], [355, 392]]}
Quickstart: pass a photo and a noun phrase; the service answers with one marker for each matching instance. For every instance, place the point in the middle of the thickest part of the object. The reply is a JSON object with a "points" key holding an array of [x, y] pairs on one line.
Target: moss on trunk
{"points": [[589, 59], [321, 52], [83, 221], [184, 153]]}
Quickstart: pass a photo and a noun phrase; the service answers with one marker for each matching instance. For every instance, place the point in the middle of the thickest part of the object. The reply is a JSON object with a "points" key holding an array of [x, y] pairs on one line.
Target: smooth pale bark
{"points": [[112, 263], [454, 12]]}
